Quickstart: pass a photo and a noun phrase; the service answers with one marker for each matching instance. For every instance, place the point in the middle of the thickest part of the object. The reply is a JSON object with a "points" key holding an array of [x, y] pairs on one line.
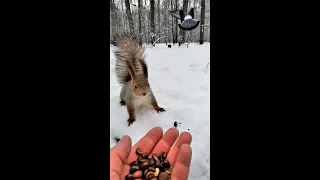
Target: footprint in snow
{"points": [[165, 69], [204, 88], [193, 65]]}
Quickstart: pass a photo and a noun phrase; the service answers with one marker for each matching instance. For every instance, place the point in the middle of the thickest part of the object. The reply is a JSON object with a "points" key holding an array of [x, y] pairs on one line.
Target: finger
{"points": [[184, 138], [119, 154], [181, 168], [146, 143], [122, 149], [166, 141], [124, 171]]}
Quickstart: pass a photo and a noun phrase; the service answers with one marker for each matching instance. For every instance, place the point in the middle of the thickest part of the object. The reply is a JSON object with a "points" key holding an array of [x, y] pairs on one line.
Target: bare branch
{"points": [[159, 39]]}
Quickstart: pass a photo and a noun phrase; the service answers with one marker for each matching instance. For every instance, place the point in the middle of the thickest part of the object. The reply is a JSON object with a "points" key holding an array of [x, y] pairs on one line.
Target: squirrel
{"points": [[132, 74]]}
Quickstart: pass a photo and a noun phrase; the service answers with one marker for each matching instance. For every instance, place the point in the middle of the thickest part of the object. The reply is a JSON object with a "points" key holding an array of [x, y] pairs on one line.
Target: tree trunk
{"points": [[145, 23], [203, 7], [183, 33], [172, 24], [165, 20], [123, 18], [191, 33], [139, 14], [152, 21], [176, 33], [129, 16], [113, 17], [159, 23]]}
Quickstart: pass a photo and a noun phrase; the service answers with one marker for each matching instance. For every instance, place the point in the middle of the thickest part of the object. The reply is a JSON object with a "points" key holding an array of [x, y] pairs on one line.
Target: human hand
{"points": [[154, 142]]}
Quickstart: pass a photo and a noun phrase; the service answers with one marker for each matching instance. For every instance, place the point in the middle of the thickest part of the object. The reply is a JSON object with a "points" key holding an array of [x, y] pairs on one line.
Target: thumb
{"points": [[122, 149]]}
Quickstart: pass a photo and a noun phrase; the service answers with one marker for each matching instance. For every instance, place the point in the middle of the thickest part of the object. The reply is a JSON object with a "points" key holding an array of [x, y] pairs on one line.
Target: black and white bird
{"points": [[188, 22]]}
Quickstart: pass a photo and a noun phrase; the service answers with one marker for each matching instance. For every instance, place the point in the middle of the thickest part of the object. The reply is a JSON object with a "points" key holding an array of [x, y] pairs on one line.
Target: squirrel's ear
{"points": [[131, 74], [130, 69], [144, 67]]}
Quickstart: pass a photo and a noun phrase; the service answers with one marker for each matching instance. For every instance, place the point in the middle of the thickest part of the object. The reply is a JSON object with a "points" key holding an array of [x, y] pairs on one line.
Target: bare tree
{"points": [[113, 17], [183, 33], [152, 21], [129, 16], [203, 7], [165, 20], [139, 14], [191, 33], [173, 41], [154, 24], [146, 23], [159, 23], [123, 20], [176, 33]]}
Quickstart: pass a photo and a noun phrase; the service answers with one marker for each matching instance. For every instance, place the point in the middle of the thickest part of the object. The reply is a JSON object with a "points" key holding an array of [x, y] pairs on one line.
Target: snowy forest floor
{"points": [[180, 80]]}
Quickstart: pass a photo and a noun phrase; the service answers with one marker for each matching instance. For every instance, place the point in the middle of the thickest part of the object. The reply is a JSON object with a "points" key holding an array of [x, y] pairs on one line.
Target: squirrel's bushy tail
{"points": [[128, 56]]}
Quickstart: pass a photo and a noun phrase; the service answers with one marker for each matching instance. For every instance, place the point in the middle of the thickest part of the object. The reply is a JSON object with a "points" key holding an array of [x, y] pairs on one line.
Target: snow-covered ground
{"points": [[181, 86]]}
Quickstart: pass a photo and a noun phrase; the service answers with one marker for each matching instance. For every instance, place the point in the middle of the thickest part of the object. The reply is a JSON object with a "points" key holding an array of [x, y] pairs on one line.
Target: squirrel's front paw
{"points": [[123, 103], [130, 121], [159, 109]]}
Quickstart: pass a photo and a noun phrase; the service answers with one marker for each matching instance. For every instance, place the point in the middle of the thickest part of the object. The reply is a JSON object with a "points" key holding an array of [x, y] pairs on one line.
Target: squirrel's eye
{"points": [[135, 86]]}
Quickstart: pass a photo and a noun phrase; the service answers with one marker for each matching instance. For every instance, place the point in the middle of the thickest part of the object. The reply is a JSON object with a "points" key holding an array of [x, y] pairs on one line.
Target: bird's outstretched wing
{"points": [[182, 15], [191, 13], [175, 14]]}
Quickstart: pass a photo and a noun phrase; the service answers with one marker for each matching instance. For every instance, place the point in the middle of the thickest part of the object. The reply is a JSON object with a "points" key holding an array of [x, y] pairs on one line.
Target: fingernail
{"points": [[122, 138]]}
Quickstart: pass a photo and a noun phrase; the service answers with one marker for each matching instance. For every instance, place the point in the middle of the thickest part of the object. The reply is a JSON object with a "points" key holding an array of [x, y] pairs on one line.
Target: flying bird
{"points": [[188, 22]]}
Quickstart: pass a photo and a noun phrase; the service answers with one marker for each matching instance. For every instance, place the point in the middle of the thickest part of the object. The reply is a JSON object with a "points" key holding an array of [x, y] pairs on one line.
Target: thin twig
{"points": [[205, 69], [158, 40]]}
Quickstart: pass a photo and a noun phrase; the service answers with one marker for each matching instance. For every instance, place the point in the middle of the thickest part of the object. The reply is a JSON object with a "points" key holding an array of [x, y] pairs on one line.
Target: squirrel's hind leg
{"points": [[122, 96], [131, 111], [155, 104]]}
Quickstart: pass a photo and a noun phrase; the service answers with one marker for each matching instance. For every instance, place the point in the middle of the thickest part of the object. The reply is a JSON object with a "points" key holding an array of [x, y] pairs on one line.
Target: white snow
{"points": [[181, 86]]}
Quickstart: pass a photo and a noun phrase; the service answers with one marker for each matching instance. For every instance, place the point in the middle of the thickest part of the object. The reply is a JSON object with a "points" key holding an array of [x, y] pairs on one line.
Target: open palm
{"points": [[154, 142]]}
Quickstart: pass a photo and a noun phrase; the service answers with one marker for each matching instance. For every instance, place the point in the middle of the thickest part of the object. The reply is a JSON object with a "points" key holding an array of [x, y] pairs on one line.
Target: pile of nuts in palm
{"points": [[145, 168]]}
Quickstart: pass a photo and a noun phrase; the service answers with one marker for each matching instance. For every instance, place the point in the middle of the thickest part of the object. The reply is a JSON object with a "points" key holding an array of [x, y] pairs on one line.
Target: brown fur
{"points": [[132, 73], [131, 111], [129, 59]]}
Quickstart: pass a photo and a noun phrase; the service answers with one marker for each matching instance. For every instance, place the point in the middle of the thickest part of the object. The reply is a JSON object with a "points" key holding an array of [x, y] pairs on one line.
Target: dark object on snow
{"points": [[116, 139], [188, 22], [175, 124], [179, 44], [169, 46], [188, 129]]}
